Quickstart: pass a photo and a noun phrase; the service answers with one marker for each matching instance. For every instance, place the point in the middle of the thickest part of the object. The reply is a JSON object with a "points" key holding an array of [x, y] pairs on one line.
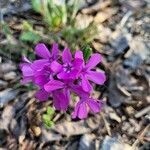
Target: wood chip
{"points": [[142, 112], [104, 15]]}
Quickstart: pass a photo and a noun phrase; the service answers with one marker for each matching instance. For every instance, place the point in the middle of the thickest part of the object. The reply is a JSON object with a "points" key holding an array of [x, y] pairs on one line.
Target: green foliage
{"points": [[36, 5], [54, 15], [50, 111], [87, 51], [27, 26], [47, 117], [77, 37], [61, 18], [6, 29], [30, 36], [72, 10]]}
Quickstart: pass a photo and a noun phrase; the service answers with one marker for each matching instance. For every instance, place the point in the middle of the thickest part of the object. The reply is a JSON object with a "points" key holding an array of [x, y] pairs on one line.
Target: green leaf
{"points": [[6, 29], [30, 36], [36, 5], [87, 51], [27, 26], [49, 124], [56, 21], [50, 111], [46, 118], [30, 87]]}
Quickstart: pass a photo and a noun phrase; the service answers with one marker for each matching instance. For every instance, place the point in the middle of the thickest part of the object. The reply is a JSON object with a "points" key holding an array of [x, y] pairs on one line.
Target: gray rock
{"points": [[10, 75], [86, 142], [120, 45], [7, 95], [3, 134], [133, 62], [145, 146], [68, 128], [6, 117], [73, 146], [3, 84], [112, 143], [49, 135], [83, 21], [138, 54], [7, 67]]}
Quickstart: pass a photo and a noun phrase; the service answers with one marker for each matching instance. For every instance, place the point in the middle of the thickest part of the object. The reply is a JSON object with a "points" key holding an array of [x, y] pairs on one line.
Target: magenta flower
{"points": [[70, 67], [61, 99], [60, 93], [26, 70], [43, 76], [39, 71], [47, 57], [85, 105], [59, 77], [87, 72], [42, 95], [42, 51]]}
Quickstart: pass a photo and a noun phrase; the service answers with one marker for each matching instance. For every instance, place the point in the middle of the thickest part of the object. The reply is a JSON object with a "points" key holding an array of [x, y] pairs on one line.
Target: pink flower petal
{"points": [[82, 111], [97, 77], [42, 51], [93, 61], [56, 67], [26, 79], [61, 100], [86, 84], [55, 51], [25, 59], [37, 65], [63, 75], [66, 55], [40, 80], [53, 85], [77, 89], [75, 112], [79, 54], [27, 70], [94, 105], [77, 63], [42, 95]]}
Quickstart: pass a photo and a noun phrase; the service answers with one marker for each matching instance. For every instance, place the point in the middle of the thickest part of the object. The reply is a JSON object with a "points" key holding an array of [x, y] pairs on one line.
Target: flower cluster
{"points": [[58, 75]]}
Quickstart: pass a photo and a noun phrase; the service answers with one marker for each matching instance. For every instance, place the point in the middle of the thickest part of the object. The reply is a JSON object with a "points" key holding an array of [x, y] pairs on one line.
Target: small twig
{"points": [[123, 90], [57, 117], [142, 112], [140, 137], [125, 18], [106, 124], [96, 7], [146, 139]]}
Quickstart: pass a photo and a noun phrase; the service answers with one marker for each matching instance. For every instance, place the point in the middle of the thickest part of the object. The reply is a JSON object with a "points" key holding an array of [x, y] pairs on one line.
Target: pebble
{"points": [[10, 75], [36, 131], [119, 44], [104, 15], [3, 84], [83, 21], [130, 110], [48, 135], [138, 54], [112, 143], [6, 117], [115, 117], [86, 142], [7, 67], [7, 95]]}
